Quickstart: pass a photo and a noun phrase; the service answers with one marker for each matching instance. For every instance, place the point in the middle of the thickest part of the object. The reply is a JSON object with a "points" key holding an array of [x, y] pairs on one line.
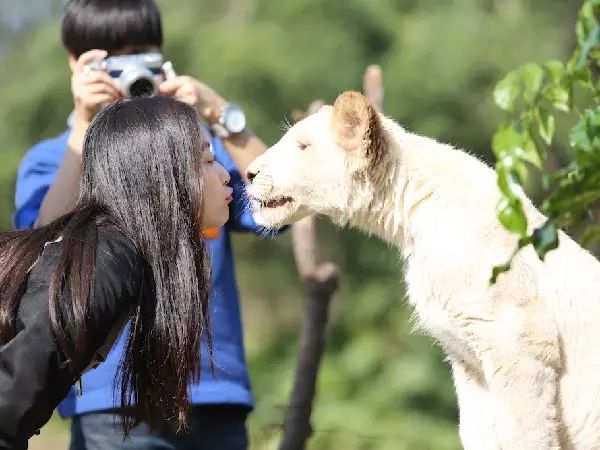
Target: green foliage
{"points": [[380, 387], [534, 97]]}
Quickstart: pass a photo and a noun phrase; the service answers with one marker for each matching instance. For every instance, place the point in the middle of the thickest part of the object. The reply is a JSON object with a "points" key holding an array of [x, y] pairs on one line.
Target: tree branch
{"points": [[320, 282]]}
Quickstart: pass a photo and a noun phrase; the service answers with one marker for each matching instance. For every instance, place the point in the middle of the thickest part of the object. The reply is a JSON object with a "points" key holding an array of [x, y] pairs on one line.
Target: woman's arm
{"points": [[118, 285], [35, 374]]}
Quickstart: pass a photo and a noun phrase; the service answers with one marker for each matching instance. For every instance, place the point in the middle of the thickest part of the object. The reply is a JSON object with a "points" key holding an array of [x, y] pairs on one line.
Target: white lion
{"points": [[525, 352]]}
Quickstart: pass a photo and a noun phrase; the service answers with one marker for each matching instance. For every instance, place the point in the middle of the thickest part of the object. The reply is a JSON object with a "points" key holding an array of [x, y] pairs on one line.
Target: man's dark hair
{"points": [[110, 25]]}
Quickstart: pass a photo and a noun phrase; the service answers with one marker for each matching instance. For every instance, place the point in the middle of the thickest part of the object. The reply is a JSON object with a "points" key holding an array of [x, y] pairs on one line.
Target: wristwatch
{"points": [[232, 120]]}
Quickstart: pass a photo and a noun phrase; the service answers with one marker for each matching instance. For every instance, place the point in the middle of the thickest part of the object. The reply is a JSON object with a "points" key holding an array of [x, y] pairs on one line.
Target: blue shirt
{"points": [[230, 383]]}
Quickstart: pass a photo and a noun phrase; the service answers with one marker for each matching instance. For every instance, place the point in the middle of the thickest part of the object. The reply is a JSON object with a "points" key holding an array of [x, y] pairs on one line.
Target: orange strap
{"points": [[210, 233]]}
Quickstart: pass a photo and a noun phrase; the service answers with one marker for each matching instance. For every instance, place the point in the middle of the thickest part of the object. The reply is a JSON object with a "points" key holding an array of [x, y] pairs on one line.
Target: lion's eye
{"points": [[302, 146]]}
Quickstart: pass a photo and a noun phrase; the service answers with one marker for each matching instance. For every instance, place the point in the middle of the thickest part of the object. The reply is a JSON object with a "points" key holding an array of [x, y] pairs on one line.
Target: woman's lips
{"points": [[229, 197]]}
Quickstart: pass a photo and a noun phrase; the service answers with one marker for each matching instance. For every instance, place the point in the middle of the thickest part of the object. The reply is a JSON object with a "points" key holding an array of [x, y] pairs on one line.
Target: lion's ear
{"points": [[356, 124]]}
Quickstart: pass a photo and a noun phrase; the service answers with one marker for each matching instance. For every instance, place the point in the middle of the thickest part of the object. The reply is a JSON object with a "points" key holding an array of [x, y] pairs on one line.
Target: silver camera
{"points": [[138, 75]]}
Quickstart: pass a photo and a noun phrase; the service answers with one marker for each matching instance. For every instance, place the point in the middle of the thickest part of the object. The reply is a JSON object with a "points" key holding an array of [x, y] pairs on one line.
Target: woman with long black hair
{"points": [[131, 250]]}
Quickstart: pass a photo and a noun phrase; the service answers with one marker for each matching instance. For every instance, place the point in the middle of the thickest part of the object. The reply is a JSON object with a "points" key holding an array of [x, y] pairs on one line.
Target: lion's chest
{"points": [[448, 312]]}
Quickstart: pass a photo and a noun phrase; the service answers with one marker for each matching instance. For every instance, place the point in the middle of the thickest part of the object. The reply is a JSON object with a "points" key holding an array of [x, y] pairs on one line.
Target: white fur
{"points": [[525, 352]]}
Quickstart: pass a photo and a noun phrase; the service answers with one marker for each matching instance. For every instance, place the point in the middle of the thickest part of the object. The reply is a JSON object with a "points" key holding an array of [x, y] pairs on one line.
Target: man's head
{"points": [[117, 26], [325, 164]]}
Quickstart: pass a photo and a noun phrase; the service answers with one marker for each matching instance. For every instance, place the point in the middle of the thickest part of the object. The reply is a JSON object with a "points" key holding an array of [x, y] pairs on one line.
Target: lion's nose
{"points": [[251, 174]]}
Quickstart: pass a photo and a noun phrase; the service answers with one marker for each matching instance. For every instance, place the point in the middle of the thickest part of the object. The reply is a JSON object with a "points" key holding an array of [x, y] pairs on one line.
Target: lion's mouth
{"points": [[273, 212], [274, 202]]}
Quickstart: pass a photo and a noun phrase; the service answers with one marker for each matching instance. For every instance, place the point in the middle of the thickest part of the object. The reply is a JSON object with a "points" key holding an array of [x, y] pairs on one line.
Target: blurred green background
{"points": [[380, 386]]}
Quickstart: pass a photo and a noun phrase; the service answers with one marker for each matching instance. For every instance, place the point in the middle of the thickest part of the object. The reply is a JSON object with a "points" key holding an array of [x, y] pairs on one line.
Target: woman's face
{"points": [[217, 195]]}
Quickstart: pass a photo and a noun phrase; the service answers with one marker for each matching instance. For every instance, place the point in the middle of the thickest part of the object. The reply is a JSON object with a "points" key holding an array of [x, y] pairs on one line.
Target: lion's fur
{"points": [[525, 352]]}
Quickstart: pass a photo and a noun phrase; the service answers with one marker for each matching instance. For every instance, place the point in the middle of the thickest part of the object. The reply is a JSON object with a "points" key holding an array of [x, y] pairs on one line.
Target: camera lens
{"points": [[137, 81], [142, 87]]}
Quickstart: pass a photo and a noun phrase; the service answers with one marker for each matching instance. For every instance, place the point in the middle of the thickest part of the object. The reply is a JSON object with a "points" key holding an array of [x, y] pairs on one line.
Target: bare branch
{"points": [[373, 86], [320, 282]]}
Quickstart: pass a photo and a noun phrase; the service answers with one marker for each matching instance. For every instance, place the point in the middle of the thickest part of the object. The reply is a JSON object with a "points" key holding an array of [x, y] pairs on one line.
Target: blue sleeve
{"points": [[35, 176], [240, 213]]}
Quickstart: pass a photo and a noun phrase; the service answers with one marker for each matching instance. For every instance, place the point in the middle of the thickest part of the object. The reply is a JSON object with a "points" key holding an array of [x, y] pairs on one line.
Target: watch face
{"points": [[234, 120]]}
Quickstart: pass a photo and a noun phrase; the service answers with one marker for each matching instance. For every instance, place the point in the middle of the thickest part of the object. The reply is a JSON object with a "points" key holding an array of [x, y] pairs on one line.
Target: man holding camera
{"points": [[98, 36]]}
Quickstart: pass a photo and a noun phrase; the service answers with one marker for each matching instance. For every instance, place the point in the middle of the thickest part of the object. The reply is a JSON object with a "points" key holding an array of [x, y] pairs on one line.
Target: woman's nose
{"points": [[225, 176]]}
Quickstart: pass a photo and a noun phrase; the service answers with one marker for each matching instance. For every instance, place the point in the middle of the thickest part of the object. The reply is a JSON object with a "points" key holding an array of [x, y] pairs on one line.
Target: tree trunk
{"points": [[320, 282]]}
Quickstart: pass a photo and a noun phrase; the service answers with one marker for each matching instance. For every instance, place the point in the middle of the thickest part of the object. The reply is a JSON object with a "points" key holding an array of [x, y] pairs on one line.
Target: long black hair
{"points": [[141, 173]]}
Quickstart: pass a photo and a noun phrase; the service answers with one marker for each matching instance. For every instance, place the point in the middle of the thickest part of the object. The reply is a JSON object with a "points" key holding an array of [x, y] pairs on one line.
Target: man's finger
{"points": [[100, 99], [89, 57], [101, 78], [189, 99], [94, 78], [101, 88], [170, 87]]}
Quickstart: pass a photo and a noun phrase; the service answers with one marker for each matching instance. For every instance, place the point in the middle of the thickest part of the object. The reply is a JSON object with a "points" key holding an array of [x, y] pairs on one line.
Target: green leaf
{"points": [[508, 183], [586, 22], [507, 91], [590, 42], [507, 141], [585, 134], [573, 202], [580, 32], [555, 70], [582, 75], [578, 136], [521, 171], [545, 239], [558, 96], [528, 151], [594, 55], [545, 123], [512, 216], [532, 76]]}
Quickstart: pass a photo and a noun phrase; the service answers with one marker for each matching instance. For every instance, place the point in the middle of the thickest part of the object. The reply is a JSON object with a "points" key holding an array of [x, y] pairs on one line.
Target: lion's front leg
{"points": [[476, 417], [520, 368]]}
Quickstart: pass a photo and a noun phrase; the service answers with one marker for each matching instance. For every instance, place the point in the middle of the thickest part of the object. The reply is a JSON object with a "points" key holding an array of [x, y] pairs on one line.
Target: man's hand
{"points": [[242, 147], [191, 91], [91, 89]]}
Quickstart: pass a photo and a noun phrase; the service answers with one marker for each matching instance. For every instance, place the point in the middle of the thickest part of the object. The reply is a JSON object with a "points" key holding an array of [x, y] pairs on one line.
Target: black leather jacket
{"points": [[35, 375]]}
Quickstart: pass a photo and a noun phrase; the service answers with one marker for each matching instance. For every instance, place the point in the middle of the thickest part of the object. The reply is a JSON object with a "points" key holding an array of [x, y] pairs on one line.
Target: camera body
{"points": [[138, 75]]}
